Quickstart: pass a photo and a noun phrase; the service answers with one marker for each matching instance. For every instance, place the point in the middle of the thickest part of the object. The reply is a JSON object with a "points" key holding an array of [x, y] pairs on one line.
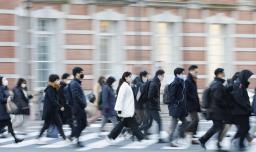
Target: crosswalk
{"points": [[92, 140]]}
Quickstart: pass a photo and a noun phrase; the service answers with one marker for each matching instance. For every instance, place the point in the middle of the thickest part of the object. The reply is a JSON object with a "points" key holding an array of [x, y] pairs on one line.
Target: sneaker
{"points": [[17, 140], [172, 144], [202, 143]]}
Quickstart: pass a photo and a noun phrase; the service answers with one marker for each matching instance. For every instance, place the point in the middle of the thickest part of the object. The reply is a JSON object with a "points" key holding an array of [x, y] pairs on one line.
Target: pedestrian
{"points": [[218, 110], [5, 98], [94, 109], [140, 103], [177, 105], [78, 104], [66, 115], [125, 109], [109, 101], [51, 108], [21, 99], [241, 110], [192, 99], [154, 101]]}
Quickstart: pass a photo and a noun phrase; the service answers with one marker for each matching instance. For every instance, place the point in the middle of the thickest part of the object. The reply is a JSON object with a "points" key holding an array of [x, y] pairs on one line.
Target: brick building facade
{"points": [[107, 37]]}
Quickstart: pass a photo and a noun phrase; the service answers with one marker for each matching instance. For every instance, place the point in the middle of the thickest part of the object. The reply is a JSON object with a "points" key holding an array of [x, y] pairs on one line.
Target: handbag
{"points": [[11, 107]]}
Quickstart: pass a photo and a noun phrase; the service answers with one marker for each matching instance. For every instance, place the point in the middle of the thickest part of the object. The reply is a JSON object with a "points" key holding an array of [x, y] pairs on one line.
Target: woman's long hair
{"points": [[122, 80]]}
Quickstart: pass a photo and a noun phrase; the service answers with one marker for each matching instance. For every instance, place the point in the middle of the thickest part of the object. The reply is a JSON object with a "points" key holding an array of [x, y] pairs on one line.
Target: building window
{"points": [[216, 48], [164, 43], [44, 54], [107, 47]]}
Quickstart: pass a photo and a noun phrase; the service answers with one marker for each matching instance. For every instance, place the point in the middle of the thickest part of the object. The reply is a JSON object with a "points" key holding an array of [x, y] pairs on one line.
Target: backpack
{"points": [[166, 95], [144, 92], [206, 98], [68, 95], [254, 104], [100, 102]]}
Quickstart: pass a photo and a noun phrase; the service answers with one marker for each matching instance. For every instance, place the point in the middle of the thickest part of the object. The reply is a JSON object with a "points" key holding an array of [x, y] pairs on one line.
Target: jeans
{"points": [[182, 128]]}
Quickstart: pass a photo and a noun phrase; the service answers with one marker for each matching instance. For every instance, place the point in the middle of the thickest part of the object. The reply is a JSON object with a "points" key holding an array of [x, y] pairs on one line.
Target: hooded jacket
{"points": [[241, 104]]}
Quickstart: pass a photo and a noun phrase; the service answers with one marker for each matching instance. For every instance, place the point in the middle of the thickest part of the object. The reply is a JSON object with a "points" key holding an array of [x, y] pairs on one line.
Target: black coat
{"points": [[193, 103], [219, 107], [4, 94], [67, 113], [177, 106], [51, 103], [108, 101], [78, 97], [241, 104], [21, 100], [137, 86], [154, 94]]}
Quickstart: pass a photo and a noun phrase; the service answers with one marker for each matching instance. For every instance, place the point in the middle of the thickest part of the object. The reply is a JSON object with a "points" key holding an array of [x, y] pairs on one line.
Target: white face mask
{"points": [[68, 81], [5, 82], [23, 85], [182, 76]]}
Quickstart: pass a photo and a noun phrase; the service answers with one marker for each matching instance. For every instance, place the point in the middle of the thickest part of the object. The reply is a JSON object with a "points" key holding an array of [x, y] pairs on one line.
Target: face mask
{"points": [[183, 77], [23, 85], [81, 76], [5, 82], [68, 81]]}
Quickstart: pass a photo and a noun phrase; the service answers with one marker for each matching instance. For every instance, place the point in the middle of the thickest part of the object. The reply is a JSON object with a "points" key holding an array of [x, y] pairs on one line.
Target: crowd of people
{"points": [[135, 104]]}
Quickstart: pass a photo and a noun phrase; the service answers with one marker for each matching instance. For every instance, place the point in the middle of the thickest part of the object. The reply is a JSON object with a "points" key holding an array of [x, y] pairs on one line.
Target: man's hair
{"points": [[77, 70], [192, 67], [53, 77], [218, 71], [159, 72], [178, 71], [143, 74]]}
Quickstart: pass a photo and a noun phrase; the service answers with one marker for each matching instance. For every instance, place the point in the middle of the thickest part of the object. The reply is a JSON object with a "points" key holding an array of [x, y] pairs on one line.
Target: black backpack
{"points": [[206, 98], [144, 92], [68, 95]]}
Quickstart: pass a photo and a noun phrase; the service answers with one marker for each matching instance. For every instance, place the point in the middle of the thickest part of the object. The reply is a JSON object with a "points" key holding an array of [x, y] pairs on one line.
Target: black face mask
{"points": [[81, 76]]}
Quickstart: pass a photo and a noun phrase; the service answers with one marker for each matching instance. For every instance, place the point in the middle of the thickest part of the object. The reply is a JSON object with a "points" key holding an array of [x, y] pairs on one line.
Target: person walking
{"points": [[78, 104], [66, 115], [125, 109], [177, 105], [109, 101], [51, 115], [5, 98], [218, 110], [241, 110], [21, 99], [154, 101], [193, 103]]}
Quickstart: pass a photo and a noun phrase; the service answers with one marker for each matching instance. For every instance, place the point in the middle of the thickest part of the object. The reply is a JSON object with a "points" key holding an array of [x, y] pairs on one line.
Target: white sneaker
{"points": [[110, 141]]}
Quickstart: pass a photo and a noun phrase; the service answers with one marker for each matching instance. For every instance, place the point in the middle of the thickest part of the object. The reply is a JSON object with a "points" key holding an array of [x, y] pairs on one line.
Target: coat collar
{"points": [[219, 80]]}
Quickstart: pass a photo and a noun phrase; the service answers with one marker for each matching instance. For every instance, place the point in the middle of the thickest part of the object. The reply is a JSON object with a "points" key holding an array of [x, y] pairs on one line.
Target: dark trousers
{"points": [[217, 127], [155, 115], [193, 125], [243, 126], [80, 119], [8, 123], [129, 123], [147, 122], [182, 127], [53, 120]]}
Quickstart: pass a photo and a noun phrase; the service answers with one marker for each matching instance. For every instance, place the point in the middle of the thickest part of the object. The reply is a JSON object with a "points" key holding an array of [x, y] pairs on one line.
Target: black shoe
{"points": [[17, 140], [219, 146], [195, 142], [161, 141], [79, 145], [202, 143]]}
